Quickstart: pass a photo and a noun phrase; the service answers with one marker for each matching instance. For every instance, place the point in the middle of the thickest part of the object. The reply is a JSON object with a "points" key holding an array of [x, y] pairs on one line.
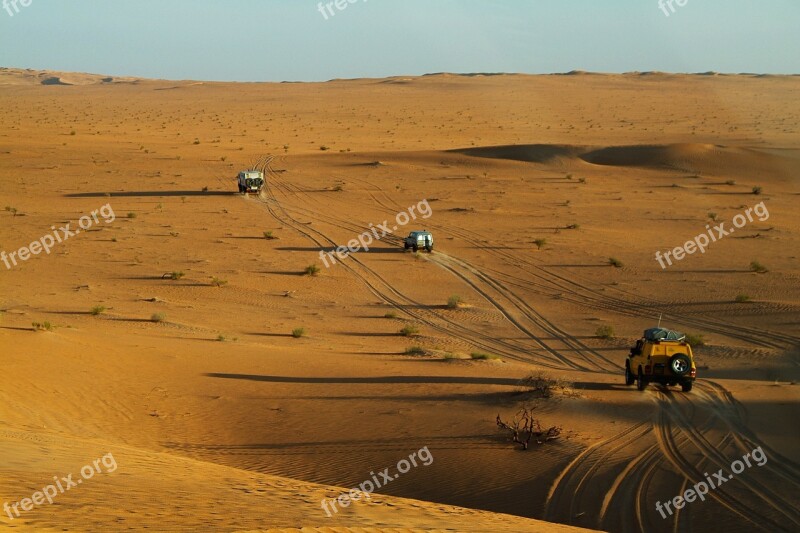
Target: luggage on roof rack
{"points": [[663, 334]]}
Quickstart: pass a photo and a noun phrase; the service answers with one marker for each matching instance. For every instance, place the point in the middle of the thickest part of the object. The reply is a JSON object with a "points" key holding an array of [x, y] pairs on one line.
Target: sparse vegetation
{"points": [[742, 298], [616, 263], [158, 317], [605, 332], [416, 350], [42, 326], [97, 310], [131, 215], [480, 356], [757, 190], [713, 216], [545, 386], [755, 266], [695, 339], [12, 210], [730, 182], [324, 148], [298, 332], [409, 330], [215, 281], [175, 275], [524, 428], [581, 180], [454, 302], [390, 314], [573, 226], [539, 243], [269, 236], [311, 270]]}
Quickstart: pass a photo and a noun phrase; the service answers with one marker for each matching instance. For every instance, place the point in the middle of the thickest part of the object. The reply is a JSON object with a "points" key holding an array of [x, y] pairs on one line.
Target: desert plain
{"points": [[198, 336]]}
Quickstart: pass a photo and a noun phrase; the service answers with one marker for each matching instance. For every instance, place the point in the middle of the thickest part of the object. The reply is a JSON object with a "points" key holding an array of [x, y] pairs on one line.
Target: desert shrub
{"points": [[324, 148], [730, 182], [42, 326], [215, 281], [742, 298], [574, 226], [131, 215], [311, 270], [298, 332], [390, 314], [616, 263], [757, 189], [454, 302], [713, 216], [269, 236], [97, 310], [175, 275], [755, 266], [695, 339], [545, 386], [605, 332], [539, 243], [480, 356], [158, 317], [416, 350], [409, 330]]}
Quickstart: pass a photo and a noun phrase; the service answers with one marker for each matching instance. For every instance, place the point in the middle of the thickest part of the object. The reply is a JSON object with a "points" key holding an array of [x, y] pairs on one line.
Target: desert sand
{"points": [[220, 419]]}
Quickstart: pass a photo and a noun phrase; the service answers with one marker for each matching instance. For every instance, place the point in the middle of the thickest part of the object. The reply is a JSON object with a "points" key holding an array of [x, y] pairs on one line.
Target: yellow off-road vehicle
{"points": [[661, 356]]}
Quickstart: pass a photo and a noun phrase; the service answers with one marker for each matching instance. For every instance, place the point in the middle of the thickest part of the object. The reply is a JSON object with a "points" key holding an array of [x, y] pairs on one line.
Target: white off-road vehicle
{"points": [[419, 239], [250, 181]]}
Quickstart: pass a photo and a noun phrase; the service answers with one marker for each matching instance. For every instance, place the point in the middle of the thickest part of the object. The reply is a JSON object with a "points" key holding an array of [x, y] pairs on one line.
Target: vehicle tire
{"points": [[641, 384], [405, 246], [415, 248], [629, 377], [686, 386], [680, 364], [430, 249]]}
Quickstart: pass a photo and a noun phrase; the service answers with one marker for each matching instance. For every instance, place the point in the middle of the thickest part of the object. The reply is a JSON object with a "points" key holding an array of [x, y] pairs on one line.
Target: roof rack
{"points": [[663, 334]]}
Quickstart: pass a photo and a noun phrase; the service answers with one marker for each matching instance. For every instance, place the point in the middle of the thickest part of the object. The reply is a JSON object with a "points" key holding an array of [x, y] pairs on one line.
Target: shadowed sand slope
{"points": [[686, 157]]}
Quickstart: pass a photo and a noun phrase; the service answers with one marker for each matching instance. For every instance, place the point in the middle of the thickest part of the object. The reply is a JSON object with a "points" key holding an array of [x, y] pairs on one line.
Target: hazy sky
{"points": [[275, 40]]}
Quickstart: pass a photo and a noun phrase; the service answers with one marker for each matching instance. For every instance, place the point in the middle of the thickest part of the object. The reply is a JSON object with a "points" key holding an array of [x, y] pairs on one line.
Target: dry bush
{"points": [[524, 428], [545, 386]]}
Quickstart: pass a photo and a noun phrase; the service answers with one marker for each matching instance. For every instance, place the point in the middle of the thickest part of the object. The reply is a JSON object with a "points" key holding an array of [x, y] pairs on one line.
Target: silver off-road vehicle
{"points": [[419, 239], [250, 181]]}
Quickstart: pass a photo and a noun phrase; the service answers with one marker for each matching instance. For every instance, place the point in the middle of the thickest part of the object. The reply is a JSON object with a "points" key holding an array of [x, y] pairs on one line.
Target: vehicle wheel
{"points": [[405, 246], [430, 249], [680, 364], [415, 248], [686, 386], [629, 377], [641, 384]]}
